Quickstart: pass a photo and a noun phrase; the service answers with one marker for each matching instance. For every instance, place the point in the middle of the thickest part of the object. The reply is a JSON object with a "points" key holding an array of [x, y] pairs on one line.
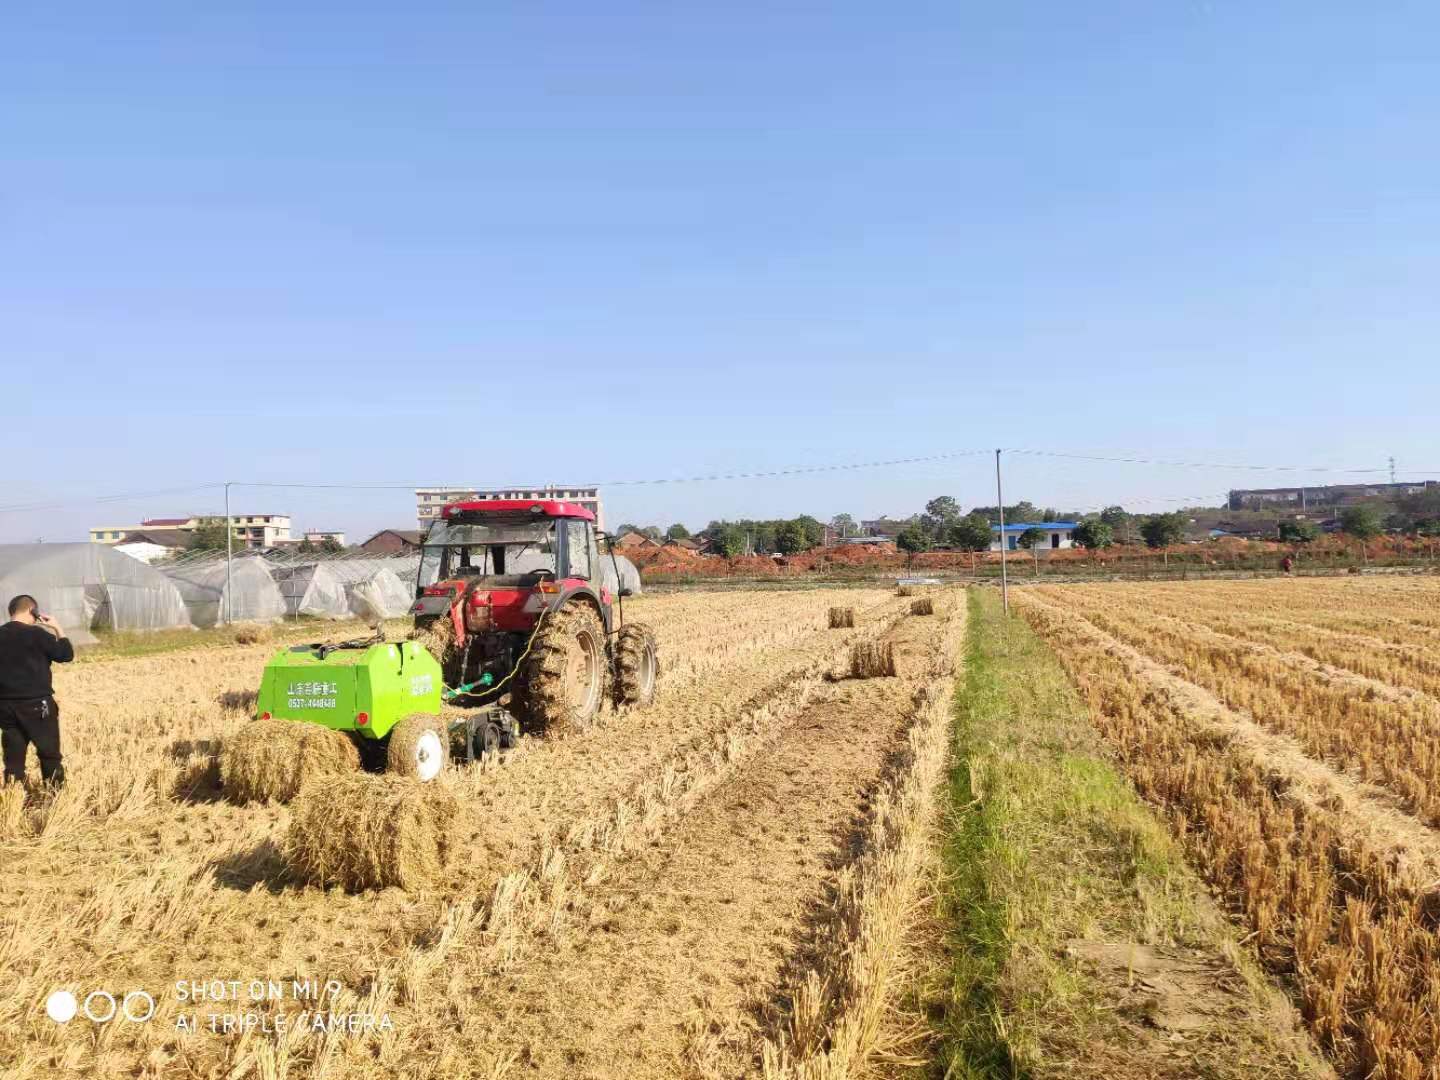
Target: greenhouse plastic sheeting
{"points": [[312, 589], [374, 590], [380, 596], [89, 586], [345, 588], [253, 595], [629, 578], [405, 567]]}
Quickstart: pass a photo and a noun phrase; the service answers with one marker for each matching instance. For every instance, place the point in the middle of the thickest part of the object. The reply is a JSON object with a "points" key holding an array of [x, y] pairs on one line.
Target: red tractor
{"points": [[515, 596]]}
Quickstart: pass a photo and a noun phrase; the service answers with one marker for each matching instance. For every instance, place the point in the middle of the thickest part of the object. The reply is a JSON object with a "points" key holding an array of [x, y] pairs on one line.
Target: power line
{"points": [[25, 507], [1189, 464], [801, 470], [796, 470]]}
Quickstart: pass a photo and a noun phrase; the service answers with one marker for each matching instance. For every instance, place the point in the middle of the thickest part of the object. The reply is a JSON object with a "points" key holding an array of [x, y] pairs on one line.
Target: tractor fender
{"points": [[585, 594], [432, 605]]}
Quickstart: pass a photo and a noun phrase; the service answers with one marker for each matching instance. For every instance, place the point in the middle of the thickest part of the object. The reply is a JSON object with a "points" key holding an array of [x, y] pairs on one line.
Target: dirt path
{"points": [[676, 965]]}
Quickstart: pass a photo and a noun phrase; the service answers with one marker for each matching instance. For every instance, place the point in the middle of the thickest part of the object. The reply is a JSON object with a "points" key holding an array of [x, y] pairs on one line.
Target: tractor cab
{"points": [[516, 598], [510, 561], [510, 544]]}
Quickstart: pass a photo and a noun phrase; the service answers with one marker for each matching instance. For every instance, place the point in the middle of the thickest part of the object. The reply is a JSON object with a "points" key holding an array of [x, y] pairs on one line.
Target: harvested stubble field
{"points": [[1290, 731], [702, 887]]}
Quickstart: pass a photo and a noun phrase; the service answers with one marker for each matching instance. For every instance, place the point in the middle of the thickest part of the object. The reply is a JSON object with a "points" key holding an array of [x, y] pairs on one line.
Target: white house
{"points": [[147, 547], [1058, 535], [145, 551]]}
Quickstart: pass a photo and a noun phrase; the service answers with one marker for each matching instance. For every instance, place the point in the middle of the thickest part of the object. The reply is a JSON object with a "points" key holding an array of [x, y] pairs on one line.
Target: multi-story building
{"points": [[113, 534], [319, 536], [429, 501], [1321, 495], [249, 530], [261, 530]]}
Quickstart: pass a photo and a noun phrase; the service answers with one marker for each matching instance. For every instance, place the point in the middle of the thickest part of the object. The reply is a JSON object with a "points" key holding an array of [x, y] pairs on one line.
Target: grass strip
{"points": [[1049, 860]]}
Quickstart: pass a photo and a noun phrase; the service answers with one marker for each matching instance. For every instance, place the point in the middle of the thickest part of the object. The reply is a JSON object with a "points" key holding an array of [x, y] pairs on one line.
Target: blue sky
{"points": [[501, 243]]}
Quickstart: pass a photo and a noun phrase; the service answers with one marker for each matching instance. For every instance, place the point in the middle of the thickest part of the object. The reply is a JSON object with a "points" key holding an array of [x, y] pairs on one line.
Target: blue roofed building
{"points": [[1058, 535]]}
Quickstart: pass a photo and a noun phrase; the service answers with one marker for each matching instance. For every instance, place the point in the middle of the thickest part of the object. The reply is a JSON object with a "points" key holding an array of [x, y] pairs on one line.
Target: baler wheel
{"points": [[486, 741], [637, 665], [419, 747], [563, 681]]}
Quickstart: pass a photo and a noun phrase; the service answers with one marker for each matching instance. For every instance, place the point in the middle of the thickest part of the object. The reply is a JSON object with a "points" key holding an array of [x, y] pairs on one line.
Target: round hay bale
{"points": [[419, 747], [924, 606], [842, 618], [368, 832], [271, 759], [872, 659]]}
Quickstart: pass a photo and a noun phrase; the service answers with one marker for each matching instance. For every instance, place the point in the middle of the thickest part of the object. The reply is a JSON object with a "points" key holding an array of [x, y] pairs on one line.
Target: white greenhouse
{"points": [[374, 589], [250, 594], [311, 589], [343, 589], [90, 587], [628, 579]]}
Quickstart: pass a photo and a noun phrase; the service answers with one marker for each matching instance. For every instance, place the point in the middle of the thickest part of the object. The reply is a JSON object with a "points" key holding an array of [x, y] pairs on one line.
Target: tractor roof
{"points": [[509, 507]]}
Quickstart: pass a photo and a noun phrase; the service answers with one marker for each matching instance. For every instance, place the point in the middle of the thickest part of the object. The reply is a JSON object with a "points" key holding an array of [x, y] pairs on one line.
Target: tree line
{"points": [[942, 524], [754, 536]]}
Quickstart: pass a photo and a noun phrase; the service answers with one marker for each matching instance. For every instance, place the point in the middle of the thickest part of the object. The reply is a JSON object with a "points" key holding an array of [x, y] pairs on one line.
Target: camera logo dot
{"points": [[95, 1002], [61, 1006], [100, 1007]]}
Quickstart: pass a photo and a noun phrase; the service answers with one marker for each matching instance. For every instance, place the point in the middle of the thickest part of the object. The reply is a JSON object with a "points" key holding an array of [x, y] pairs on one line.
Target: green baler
{"points": [[366, 691], [385, 696]]}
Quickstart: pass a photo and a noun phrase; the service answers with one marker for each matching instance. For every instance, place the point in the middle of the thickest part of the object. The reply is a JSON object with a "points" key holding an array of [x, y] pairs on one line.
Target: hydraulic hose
{"points": [[453, 692]]}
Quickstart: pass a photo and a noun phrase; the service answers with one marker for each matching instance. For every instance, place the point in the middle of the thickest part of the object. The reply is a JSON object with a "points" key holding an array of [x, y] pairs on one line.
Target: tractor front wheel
{"points": [[637, 665], [563, 679], [419, 747]]}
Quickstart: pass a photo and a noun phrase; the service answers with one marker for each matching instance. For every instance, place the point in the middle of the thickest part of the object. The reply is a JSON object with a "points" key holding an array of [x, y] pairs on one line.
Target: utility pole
{"points": [[1392, 468], [1004, 573], [229, 553]]}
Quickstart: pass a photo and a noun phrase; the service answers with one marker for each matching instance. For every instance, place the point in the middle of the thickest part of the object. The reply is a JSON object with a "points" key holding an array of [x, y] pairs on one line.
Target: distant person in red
{"points": [[29, 643], [1287, 564]]}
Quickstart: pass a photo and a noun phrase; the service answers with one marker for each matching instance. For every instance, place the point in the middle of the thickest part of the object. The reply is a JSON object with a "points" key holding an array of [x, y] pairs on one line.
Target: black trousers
{"points": [[26, 722]]}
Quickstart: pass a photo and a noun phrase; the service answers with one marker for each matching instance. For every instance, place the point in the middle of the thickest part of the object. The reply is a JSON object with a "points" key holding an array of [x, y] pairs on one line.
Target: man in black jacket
{"points": [[29, 642]]}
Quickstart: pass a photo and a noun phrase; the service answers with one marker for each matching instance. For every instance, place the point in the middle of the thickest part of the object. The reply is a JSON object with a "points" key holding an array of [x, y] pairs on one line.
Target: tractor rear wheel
{"points": [[419, 747], [637, 665], [563, 680]]}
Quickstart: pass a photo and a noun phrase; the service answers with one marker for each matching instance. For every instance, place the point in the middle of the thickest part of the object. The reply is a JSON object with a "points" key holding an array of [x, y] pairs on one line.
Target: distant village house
{"points": [[1059, 535], [393, 542]]}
